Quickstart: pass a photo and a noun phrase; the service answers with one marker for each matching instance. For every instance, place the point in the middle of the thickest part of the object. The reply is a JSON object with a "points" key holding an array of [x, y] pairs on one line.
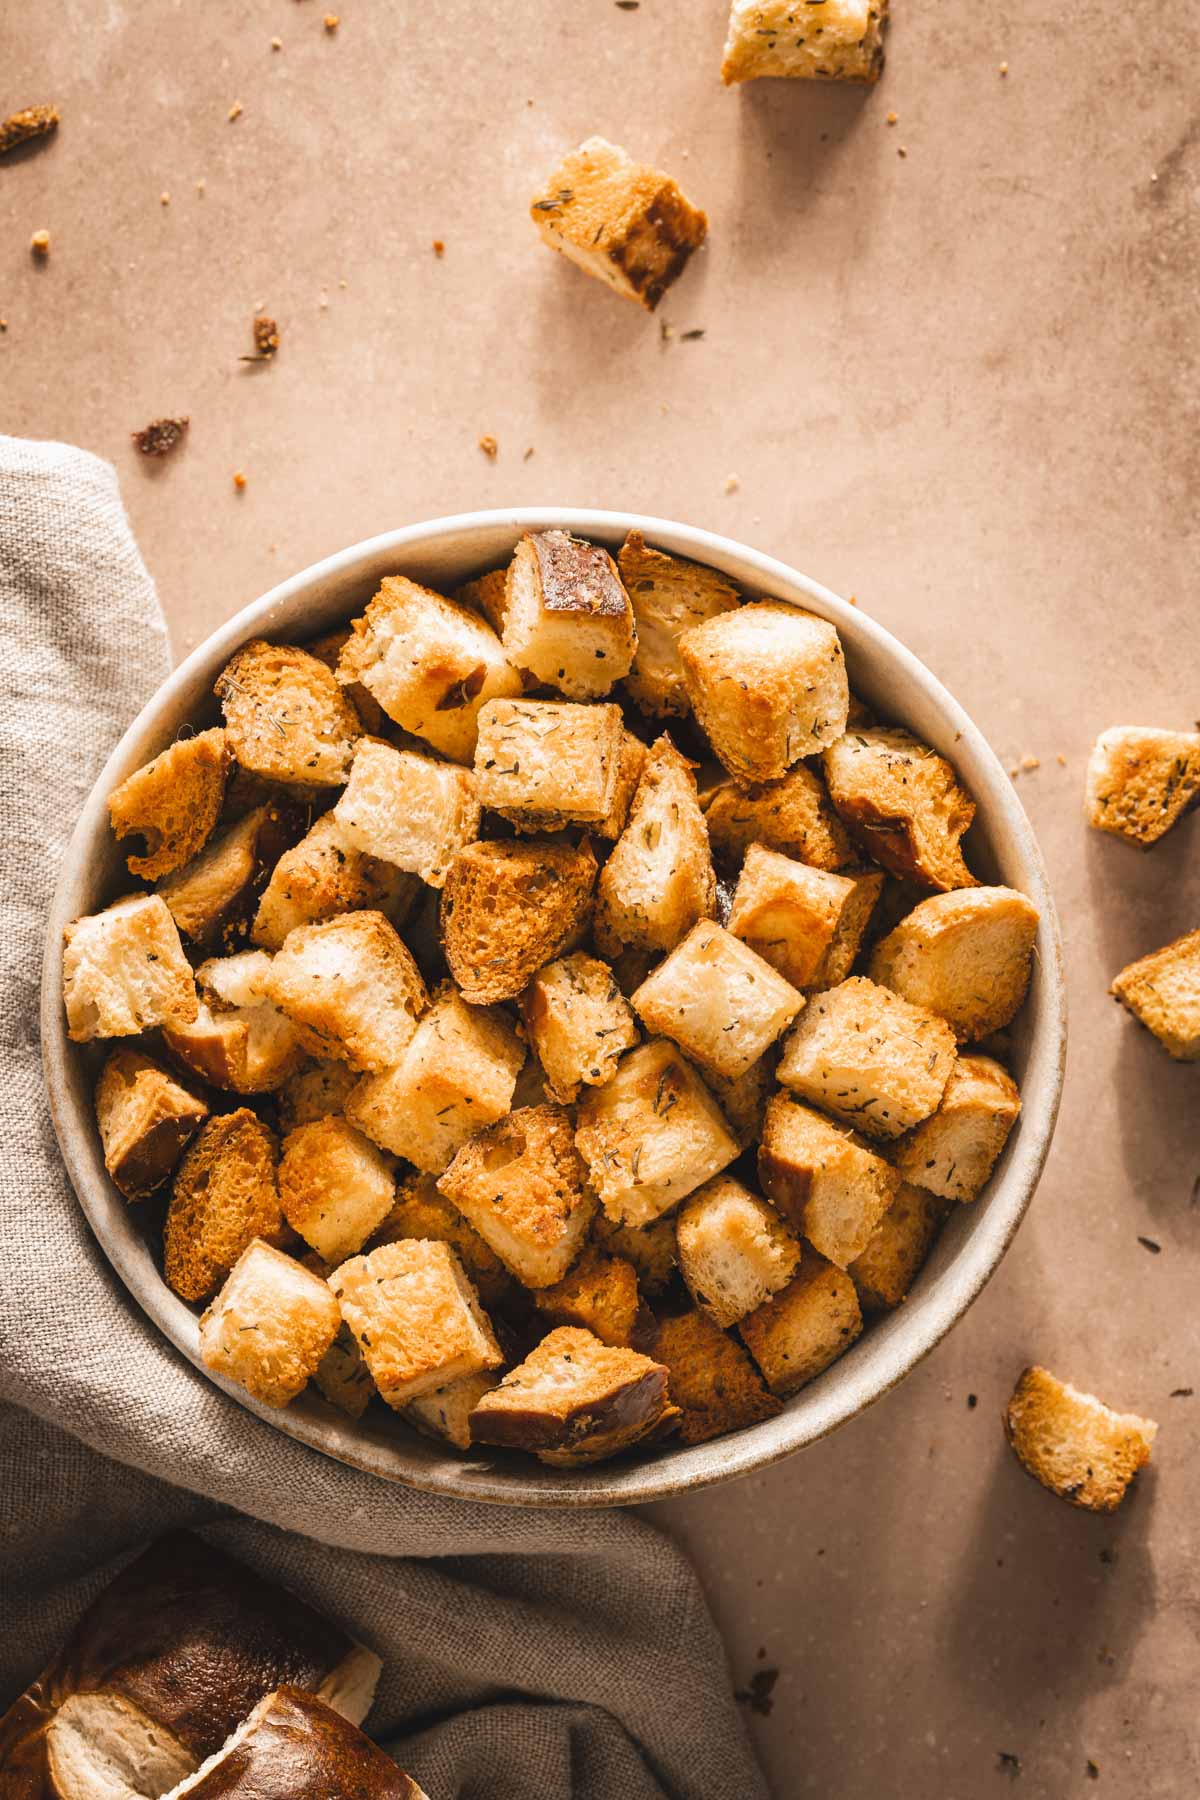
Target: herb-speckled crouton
{"points": [[575, 1401], [718, 1000], [579, 1023], [416, 1317], [239, 1040], [146, 1120], [600, 1294], [318, 1091], [897, 1249], [743, 1100], [286, 718], [487, 594], [659, 879], [669, 595], [335, 1187], [522, 1185], [903, 802], [793, 815], [734, 1250], [172, 803], [823, 1178], [543, 764], [224, 1196], [966, 956], [953, 1152], [342, 1377], [1141, 781], [713, 1381], [1162, 991], [270, 1326], [351, 988], [210, 897], [650, 1248], [420, 1211], [320, 877], [328, 649], [567, 617], [124, 971], [445, 1412], [408, 810], [799, 919], [507, 908], [798, 1333], [1073, 1444], [822, 40]]}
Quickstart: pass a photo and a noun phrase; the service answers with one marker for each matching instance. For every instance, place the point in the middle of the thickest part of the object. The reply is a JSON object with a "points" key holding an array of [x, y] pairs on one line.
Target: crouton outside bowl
{"points": [[1001, 847]]}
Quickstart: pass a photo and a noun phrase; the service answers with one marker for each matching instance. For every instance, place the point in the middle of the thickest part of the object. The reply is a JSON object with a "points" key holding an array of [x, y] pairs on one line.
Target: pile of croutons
{"points": [[496, 1066]]}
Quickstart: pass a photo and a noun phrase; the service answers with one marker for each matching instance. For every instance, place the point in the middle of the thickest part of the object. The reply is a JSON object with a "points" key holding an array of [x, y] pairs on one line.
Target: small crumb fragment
{"points": [[22, 127], [901, 150], [277, 43], [164, 199], [331, 21], [627, 5], [1062, 761], [1008, 1763], [972, 1402], [160, 437], [892, 119], [1031, 762], [3, 324], [732, 484], [266, 340], [239, 480], [1093, 1770], [439, 249], [527, 454], [853, 600], [666, 331], [758, 1696], [39, 243], [690, 337], [235, 111], [202, 186], [1004, 68], [489, 446]]}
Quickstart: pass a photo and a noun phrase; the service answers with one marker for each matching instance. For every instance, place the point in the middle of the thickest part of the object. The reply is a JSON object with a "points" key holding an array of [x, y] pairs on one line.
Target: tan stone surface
{"points": [[960, 384]]}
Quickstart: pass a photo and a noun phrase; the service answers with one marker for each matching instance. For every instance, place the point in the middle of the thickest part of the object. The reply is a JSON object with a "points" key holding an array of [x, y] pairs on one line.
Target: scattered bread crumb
{"points": [[900, 150], [277, 43], [1031, 762], [439, 249], [22, 127], [39, 243], [1004, 68], [489, 446], [853, 600], [161, 436], [1062, 759], [331, 21], [235, 111], [892, 119], [732, 484], [164, 199], [201, 186], [3, 324], [527, 454], [266, 340], [239, 480]]}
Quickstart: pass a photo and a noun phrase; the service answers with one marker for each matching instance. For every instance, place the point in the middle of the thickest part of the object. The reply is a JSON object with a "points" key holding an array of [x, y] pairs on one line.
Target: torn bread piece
{"points": [[522, 1185], [545, 764], [791, 914], [172, 803], [286, 718], [904, 804], [734, 1250], [210, 898], [420, 1211], [445, 1412], [650, 1248], [351, 988], [953, 1152], [713, 1381], [146, 1120], [124, 971], [659, 879], [579, 1023], [966, 956], [320, 877], [574, 1401], [239, 1040], [1073, 1444], [817, 40], [824, 1179], [718, 1000], [269, 1326], [567, 617], [509, 907], [799, 1332], [408, 810], [1141, 780], [416, 1317], [224, 1196], [600, 1295], [1162, 991], [897, 1249], [793, 816], [669, 595], [335, 1187]]}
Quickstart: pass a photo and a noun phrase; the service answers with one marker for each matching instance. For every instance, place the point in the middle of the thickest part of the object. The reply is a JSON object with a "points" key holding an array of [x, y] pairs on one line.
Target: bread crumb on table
{"points": [[239, 480], [161, 436], [22, 127], [331, 22], [235, 111], [39, 243], [489, 446]]}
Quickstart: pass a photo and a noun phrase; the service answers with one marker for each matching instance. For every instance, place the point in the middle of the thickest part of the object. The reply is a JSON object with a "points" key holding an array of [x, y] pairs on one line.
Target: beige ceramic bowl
{"points": [[1001, 848]]}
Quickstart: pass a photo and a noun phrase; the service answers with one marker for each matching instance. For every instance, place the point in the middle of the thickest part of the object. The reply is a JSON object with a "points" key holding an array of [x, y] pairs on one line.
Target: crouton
{"points": [[172, 803], [224, 1196], [1141, 781], [830, 1185], [897, 1249], [799, 1332], [734, 1250], [579, 1023], [210, 897], [507, 908], [1073, 1444], [743, 1100], [456, 1076], [407, 810], [854, 921], [718, 1000], [1162, 991], [713, 1381], [487, 594], [124, 971], [429, 662], [415, 1315], [567, 617], [543, 764], [420, 1211], [335, 1187], [269, 1326], [286, 717], [966, 956], [668, 596], [659, 879], [574, 1400], [145, 1121], [522, 1185], [800, 919], [239, 1040], [767, 684], [600, 1295], [328, 649], [342, 1377], [956, 1148], [650, 1248], [903, 803], [793, 815], [320, 877], [624, 222], [652, 1135], [351, 988], [869, 1057], [841, 42], [445, 1412], [318, 1092]]}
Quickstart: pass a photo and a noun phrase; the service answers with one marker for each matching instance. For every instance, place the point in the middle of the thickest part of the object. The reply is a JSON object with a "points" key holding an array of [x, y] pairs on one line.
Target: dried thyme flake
{"points": [[22, 127], [266, 340], [690, 337], [1149, 1244], [758, 1695], [161, 436]]}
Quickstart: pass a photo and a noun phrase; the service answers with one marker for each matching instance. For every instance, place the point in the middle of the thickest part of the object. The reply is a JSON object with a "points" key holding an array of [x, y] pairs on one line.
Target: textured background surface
{"points": [[961, 385]]}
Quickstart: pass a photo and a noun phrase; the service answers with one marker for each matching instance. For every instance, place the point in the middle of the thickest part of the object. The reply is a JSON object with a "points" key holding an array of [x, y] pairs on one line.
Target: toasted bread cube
{"points": [[854, 921], [269, 1326], [335, 1187], [897, 1249], [579, 1023], [767, 684], [743, 1100], [407, 810], [318, 1091], [210, 897], [966, 956], [652, 1135], [488, 594], [124, 971], [544, 764], [224, 1196], [445, 1412], [793, 815], [507, 908], [650, 1248], [351, 988], [1162, 991], [903, 803], [955, 1150], [800, 1331], [328, 649], [172, 803], [567, 619], [342, 1376], [420, 1211], [1073, 1444], [734, 1250], [718, 1000], [659, 879], [825, 1180], [145, 1120], [624, 222], [320, 877], [1141, 780], [842, 40], [429, 662], [239, 1039], [285, 715], [869, 1057], [669, 595], [713, 1381], [600, 1295], [790, 914], [522, 1185], [574, 1400], [456, 1076], [416, 1317]]}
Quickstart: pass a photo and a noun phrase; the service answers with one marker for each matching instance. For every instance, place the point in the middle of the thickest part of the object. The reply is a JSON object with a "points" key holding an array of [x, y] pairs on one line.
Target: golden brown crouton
{"points": [[210, 897], [797, 1334], [624, 222], [1162, 991], [328, 649], [351, 988], [659, 879], [1141, 781], [903, 803], [343, 1377], [320, 877], [420, 1211], [713, 1381], [318, 1092], [574, 1400], [486, 594], [224, 1196], [953, 1152], [1073, 1444], [335, 1187], [966, 956], [567, 618], [522, 1185], [407, 810], [897, 1249], [767, 684], [718, 1000], [800, 919], [650, 1248], [145, 1120], [507, 908], [416, 1317], [743, 1100], [124, 971], [868, 1057], [793, 815], [599, 1295], [172, 803], [445, 1412], [579, 1023], [270, 1326], [824, 1179], [239, 1040], [285, 715], [824, 40], [668, 595], [734, 1250], [543, 764], [651, 1135]]}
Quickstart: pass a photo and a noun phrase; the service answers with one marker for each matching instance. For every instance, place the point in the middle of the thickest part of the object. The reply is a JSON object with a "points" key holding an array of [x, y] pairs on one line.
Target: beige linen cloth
{"points": [[526, 1653]]}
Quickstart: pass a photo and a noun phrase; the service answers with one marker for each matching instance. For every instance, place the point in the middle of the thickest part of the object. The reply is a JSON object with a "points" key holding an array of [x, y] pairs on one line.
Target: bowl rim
{"points": [[876, 1364]]}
